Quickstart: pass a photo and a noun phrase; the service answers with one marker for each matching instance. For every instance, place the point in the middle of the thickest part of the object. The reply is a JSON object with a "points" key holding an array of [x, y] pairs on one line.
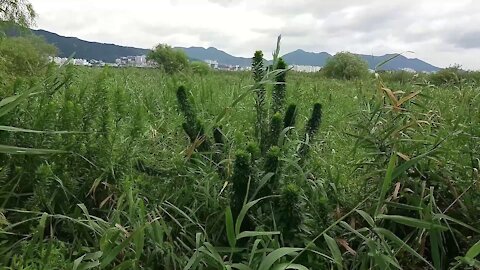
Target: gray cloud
{"points": [[469, 40]]}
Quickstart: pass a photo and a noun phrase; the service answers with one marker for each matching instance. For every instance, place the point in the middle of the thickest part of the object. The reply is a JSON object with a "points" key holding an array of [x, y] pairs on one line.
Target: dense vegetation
{"points": [[148, 170], [270, 169]]}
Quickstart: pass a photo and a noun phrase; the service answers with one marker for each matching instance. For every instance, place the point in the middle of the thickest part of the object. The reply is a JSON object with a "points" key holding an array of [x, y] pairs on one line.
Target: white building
{"points": [[301, 68], [212, 63]]}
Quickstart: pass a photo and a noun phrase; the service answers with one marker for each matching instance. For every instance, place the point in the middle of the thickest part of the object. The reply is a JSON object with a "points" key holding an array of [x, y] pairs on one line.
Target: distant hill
{"points": [[86, 49], [301, 57], [109, 52], [217, 55], [398, 63]]}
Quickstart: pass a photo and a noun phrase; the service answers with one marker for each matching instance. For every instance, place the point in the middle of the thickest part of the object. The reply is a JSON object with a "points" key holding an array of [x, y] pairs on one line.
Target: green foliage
{"points": [[169, 59], [392, 184], [451, 75], [20, 12], [23, 58], [345, 65], [200, 68]]}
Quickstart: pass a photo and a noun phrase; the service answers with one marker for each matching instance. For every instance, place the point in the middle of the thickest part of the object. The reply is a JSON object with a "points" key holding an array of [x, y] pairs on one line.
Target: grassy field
{"points": [[390, 179]]}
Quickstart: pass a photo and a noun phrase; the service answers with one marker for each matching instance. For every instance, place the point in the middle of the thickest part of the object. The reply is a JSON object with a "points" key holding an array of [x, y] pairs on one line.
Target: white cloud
{"points": [[441, 32]]}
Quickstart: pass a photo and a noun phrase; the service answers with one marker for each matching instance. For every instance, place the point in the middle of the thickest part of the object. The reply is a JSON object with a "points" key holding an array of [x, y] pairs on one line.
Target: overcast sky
{"points": [[441, 32]]}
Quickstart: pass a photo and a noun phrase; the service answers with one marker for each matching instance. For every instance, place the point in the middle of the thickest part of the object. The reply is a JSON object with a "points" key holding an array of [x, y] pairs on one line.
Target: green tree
{"points": [[23, 57], [169, 59], [345, 65], [17, 11]]}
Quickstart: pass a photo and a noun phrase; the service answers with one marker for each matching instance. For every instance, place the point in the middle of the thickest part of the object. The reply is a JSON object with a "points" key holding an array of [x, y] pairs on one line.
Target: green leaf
{"points": [[445, 217], [435, 248], [232, 240], [15, 129], [243, 213], [284, 266], [88, 265], [254, 250], [413, 222], [9, 103], [262, 183], [240, 266], [193, 261], [210, 251], [275, 255], [110, 255], [254, 234], [14, 150], [401, 244], [337, 255], [387, 182], [367, 217], [139, 240], [406, 165], [474, 251]]}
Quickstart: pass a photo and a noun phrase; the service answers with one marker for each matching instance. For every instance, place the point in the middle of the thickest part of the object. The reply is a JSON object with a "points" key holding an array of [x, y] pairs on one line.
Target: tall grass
{"points": [[382, 175]]}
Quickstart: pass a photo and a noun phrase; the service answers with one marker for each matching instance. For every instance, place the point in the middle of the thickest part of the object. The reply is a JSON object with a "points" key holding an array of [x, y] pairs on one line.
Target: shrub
{"points": [[347, 66], [200, 68], [169, 59], [450, 75], [23, 57]]}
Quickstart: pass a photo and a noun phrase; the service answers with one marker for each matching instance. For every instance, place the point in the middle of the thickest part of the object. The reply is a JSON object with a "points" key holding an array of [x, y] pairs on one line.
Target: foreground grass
{"points": [[129, 194]]}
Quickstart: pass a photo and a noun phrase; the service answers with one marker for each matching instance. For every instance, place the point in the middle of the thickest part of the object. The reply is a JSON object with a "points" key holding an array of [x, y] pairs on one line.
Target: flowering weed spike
{"points": [[311, 128], [260, 93], [279, 89], [242, 173], [290, 116], [275, 129]]}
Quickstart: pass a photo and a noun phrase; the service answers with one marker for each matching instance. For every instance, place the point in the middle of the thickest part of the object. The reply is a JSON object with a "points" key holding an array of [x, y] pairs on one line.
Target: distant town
{"points": [[140, 61]]}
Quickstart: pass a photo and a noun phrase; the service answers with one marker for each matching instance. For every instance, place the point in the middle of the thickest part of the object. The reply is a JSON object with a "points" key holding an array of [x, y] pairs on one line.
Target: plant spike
{"points": [[272, 164], [242, 173], [275, 130], [279, 89], [290, 116], [260, 93], [219, 154], [311, 128], [192, 126], [289, 217]]}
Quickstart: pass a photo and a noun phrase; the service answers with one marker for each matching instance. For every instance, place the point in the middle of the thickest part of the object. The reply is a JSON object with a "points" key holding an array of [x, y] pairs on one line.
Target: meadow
{"points": [[107, 178]]}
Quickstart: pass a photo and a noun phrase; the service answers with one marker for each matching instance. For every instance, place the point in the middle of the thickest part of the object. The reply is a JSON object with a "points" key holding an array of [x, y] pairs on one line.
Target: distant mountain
{"points": [[109, 52], [86, 49], [398, 63], [301, 57], [217, 55]]}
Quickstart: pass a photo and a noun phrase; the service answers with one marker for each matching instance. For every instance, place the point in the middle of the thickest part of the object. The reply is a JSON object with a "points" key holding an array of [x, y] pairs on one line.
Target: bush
{"points": [[345, 65], [169, 59], [200, 68], [23, 57]]}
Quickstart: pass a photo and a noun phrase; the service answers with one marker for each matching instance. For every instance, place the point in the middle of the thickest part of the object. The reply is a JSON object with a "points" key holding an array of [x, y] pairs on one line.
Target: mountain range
{"points": [[109, 52]]}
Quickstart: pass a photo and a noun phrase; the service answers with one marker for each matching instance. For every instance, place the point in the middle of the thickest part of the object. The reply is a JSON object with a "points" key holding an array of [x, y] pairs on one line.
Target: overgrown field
{"points": [[111, 180]]}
